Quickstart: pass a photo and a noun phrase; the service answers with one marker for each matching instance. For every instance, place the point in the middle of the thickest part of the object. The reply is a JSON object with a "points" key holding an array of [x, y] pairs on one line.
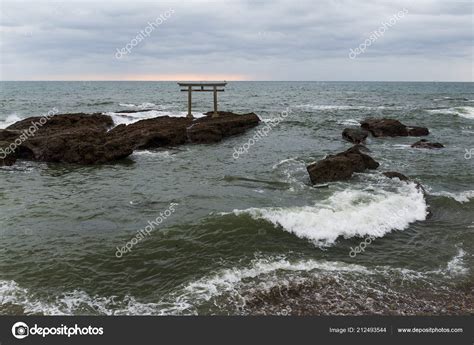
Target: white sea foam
{"points": [[349, 122], [128, 118], [330, 107], [456, 265], [10, 120], [184, 300], [262, 274], [145, 105], [348, 213], [460, 197], [466, 112], [158, 154]]}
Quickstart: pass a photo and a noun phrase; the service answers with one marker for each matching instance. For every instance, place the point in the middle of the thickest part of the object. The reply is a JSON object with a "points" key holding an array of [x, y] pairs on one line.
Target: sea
{"points": [[244, 234]]}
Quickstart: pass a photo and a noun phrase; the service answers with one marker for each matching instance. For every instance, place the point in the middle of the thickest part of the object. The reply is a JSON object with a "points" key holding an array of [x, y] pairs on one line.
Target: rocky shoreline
{"points": [[92, 138]]}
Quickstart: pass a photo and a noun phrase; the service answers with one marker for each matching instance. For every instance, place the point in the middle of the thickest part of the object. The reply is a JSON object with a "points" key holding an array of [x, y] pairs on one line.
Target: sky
{"points": [[422, 40]]}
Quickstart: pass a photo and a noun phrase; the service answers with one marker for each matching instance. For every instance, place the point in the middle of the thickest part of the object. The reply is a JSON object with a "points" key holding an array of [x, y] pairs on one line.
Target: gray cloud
{"points": [[263, 40]]}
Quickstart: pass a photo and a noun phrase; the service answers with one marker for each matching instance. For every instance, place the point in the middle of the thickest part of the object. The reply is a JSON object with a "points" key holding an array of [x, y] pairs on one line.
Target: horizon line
{"points": [[298, 81]]}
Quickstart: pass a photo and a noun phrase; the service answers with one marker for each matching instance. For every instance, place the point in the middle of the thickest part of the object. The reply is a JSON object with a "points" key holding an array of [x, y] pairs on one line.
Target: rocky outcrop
{"points": [[391, 128], [89, 139], [6, 159], [340, 166], [172, 131], [394, 174], [425, 144], [415, 131], [401, 177], [355, 135]]}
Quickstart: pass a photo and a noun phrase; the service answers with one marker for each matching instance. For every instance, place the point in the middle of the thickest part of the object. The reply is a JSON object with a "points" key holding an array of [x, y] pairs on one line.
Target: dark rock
{"points": [[391, 128], [6, 159], [86, 139], [385, 127], [401, 177], [394, 174], [417, 131], [203, 133], [355, 135], [425, 144], [340, 166], [65, 122], [172, 131]]}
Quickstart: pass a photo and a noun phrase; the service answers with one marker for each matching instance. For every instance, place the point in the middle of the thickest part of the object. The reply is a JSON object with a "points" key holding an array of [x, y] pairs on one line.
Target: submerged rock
{"points": [[391, 128], [425, 144], [401, 177], [415, 131], [87, 138], [355, 135], [394, 174], [340, 166]]}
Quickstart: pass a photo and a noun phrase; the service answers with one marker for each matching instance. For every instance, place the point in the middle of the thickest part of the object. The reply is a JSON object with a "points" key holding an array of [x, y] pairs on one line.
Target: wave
{"points": [[330, 107], [348, 213], [262, 272], [466, 112], [460, 197], [160, 154], [349, 122], [234, 286], [451, 99], [456, 265], [144, 105], [129, 118], [10, 120], [100, 103]]}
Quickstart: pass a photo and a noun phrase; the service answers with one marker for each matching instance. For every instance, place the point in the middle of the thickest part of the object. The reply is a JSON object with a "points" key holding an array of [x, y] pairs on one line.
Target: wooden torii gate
{"points": [[203, 87]]}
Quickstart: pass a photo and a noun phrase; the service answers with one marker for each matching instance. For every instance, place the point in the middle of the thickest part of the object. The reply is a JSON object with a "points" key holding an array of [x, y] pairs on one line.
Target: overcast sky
{"points": [[236, 40]]}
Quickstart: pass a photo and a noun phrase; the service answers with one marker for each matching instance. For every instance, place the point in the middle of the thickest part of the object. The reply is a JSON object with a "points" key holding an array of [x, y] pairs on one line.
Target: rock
{"points": [[401, 177], [425, 144], [340, 166], [394, 174], [355, 135], [65, 122], [417, 131], [203, 133], [391, 128], [384, 127], [6, 159], [152, 133], [172, 131], [86, 138]]}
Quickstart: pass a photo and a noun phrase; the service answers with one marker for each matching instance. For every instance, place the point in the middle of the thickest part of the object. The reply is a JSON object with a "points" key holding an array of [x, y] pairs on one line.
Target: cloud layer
{"points": [[235, 39]]}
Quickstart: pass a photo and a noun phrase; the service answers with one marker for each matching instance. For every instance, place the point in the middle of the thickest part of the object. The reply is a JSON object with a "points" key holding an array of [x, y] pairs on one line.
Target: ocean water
{"points": [[247, 235]]}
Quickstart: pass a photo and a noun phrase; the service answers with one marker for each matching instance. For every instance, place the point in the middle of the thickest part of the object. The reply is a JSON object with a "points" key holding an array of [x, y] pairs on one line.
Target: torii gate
{"points": [[203, 87]]}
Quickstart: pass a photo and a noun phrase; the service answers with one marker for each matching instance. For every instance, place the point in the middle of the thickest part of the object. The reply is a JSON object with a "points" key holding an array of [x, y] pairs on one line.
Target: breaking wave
{"points": [[10, 120], [466, 112], [460, 197], [348, 213]]}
